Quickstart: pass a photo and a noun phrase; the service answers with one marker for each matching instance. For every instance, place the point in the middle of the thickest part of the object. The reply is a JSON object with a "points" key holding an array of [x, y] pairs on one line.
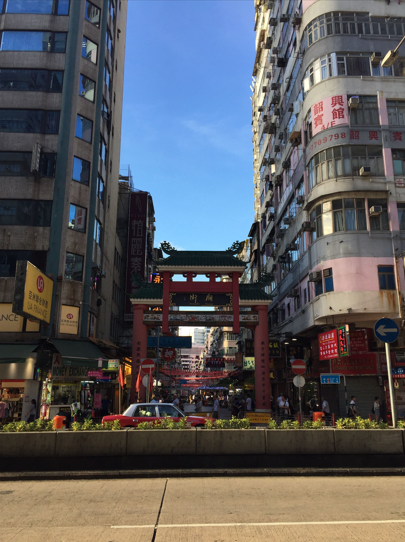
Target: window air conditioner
{"points": [[264, 89], [281, 62], [268, 75], [291, 108], [274, 86], [271, 161], [277, 148], [275, 51], [284, 18], [300, 200], [292, 247], [286, 164], [297, 107], [287, 220], [375, 210], [365, 171], [261, 109], [354, 102], [315, 277], [296, 18], [267, 178], [273, 21], [295, 292]]}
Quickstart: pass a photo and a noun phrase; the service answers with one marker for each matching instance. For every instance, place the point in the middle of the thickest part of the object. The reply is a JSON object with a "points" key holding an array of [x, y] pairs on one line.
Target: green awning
{"points": [[79, 353], [15, 353]]}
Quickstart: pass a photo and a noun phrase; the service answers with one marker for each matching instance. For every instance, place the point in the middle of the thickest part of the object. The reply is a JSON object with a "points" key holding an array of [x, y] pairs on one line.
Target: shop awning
{"points": [[79, 353], [15, 353]]}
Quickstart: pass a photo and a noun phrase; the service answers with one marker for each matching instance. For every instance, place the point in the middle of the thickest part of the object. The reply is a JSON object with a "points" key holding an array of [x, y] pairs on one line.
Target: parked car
{"points": [[150, 412]]}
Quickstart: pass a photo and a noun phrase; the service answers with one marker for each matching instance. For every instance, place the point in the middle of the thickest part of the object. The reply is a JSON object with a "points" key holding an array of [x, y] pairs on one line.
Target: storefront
{"points": [[19, 380], [82, 374]]}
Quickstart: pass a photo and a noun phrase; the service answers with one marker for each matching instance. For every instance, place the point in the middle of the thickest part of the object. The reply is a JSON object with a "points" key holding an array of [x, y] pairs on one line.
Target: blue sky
{"points": [[187, 117]]}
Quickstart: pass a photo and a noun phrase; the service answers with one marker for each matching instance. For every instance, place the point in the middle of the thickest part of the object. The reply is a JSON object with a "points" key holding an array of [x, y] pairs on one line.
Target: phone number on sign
{"points": [[342, 135]]}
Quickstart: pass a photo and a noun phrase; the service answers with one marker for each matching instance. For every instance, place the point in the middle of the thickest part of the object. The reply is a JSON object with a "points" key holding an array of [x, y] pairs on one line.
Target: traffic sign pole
{"points": [[391, 385], [299, 399]]}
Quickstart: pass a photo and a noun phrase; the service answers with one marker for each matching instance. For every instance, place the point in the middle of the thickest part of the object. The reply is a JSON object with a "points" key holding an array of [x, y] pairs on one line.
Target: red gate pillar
{"points": [[139, 349], [262, 364]]}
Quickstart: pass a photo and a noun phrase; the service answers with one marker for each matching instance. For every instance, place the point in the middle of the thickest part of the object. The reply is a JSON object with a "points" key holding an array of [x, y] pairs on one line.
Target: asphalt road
{"points": [[205, 510]]}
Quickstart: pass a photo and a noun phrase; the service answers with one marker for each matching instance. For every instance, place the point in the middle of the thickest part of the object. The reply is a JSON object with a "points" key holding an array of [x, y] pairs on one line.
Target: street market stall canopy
{"points": [[79, 353]]}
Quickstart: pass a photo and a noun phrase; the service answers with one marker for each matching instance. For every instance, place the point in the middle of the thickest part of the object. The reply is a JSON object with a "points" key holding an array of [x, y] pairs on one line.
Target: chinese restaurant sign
{"points": [[32, 292], [359, 364], [136, 255], [343, 341], [329, 112], [359, 341], [328, 345], [249, 348]]}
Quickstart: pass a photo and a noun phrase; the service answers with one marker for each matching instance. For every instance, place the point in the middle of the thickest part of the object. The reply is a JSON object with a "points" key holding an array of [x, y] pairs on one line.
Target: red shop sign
{"points": [[328, 345], [357, 364]]}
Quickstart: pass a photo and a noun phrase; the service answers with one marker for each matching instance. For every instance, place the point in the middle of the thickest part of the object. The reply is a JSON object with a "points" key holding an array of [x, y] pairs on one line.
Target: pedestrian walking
{"points": [[176, 401], [326, 411], [283, 408], [32, 413], [215, 409], [376, 409], [198, 405], [313, 405], [353, 412], [248, 404]]}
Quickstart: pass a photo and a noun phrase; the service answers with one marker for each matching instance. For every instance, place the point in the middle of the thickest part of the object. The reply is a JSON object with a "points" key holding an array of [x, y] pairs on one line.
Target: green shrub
{"points": [[401, 424], [272, 424], [308, 424], [116, 426], [318, 424]]}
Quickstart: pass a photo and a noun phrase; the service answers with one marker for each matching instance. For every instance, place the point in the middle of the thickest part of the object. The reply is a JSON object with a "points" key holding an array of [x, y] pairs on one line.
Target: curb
{"points": [[195, 473]]}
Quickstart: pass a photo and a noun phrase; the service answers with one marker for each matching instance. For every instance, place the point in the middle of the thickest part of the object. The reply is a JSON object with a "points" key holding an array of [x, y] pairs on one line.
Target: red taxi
{"points": [[151, 412]]}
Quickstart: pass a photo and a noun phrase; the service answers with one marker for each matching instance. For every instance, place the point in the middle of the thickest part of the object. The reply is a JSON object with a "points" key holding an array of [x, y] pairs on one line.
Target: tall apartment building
{"points": [[329, 168], [61, 89]]}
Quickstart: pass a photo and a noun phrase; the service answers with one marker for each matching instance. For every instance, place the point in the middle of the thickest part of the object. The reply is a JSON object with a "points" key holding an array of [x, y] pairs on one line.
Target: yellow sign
{"points": [[34, 290], [31, 325], [258, 417], [9, 321], [69, 320]]}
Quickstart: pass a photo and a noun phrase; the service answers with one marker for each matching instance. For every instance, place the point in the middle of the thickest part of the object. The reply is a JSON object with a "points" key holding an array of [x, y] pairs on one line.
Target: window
{"points": [[84, 128], [344, 161], [111, 9], [100, 189], [25, 40], [98, 232], [33, 80], [401, 215], [366, 114], [109, 44], [305, 296], [89, 50], [398, 158], [9, 258], [74, 267], [309, 291], [77, 218], [167, 410], [348, 214], [21, 212], [318, 288], [103, 150], [145, 411], [15, 164], [328, 278], [81, 170], [396, 112], [86, 88], [29, 121], [386, 277], [92, 14], [379, 223], [39, 7], [353, 65]]}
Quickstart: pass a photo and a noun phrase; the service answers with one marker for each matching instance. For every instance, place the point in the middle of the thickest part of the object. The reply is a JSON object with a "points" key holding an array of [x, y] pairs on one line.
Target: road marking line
{"points": [[272, 524]]}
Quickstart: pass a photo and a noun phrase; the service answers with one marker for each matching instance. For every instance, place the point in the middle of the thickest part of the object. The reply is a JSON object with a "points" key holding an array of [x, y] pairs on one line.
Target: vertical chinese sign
{"points": [[328, 345], [343, 335], [329, 112], [136, 255]]}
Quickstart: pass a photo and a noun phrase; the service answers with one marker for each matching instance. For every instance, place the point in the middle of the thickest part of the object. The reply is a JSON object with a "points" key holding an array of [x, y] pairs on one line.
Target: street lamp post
{"points": [[391, 56]]}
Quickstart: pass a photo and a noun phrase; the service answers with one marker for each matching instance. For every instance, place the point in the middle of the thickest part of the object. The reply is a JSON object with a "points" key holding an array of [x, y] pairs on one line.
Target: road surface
{"points": [[205, 510]]}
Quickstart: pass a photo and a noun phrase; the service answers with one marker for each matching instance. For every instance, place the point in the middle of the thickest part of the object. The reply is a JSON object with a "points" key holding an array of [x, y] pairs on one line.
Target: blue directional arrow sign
{"points": [[386, 330]]}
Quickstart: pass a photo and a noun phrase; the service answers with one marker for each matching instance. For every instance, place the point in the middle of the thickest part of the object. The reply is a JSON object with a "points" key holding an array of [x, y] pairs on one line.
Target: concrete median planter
{"points": [[300, 441], [91, 443], [231, 441], [369, 441], [27, 444], [162, 442]]}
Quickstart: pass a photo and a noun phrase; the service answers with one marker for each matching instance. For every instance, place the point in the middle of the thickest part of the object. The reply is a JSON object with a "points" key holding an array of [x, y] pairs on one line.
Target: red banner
{"points": [[359, 341], [328, 345], [357, 364], [136, 253]]}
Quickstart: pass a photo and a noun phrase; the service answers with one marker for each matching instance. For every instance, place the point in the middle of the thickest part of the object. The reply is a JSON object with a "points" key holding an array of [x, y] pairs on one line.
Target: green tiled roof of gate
{"points": [[149, 291], [253, 292], [201, 258]]}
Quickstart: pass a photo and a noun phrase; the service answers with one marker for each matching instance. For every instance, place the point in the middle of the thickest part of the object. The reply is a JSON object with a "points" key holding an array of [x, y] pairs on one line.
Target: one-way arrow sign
{"points": [[386, 330]]}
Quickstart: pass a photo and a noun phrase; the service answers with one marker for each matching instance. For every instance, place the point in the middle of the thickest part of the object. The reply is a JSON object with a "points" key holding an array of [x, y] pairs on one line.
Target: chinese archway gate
{"points": [[215, 292]]}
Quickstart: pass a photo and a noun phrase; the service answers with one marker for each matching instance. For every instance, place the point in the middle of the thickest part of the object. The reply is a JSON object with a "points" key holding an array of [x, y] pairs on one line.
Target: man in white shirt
{"points": [[215, 410], [249, 404]]}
